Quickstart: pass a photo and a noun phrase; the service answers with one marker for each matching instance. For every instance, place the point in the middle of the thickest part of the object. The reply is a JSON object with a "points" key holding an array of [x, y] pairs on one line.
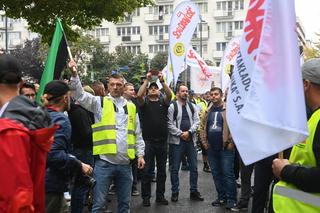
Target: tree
{"points": [[136, 64], [30, 57], [41, 14], [159, 61], [312, 51]]}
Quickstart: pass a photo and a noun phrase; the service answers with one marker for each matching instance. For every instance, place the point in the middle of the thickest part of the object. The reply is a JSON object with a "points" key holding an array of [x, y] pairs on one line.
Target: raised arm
{"points": [[86, 100], [166, 89]]}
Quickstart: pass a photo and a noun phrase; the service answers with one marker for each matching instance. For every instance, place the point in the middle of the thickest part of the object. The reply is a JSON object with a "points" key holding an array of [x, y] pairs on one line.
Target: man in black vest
{"points": [[154, 109]]}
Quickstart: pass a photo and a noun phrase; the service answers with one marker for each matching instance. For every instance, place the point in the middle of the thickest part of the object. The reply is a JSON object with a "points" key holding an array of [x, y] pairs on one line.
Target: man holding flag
{"points": [[301, 173]]}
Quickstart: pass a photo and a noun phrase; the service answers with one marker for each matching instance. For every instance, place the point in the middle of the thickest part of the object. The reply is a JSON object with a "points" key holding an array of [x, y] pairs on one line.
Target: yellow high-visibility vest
{"points": [[104, 132], [287, 197]]}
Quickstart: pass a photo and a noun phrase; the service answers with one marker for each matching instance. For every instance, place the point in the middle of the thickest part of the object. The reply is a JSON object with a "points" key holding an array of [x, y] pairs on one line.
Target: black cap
{"points": [[10, 70], [56, 88], [153, 84]]}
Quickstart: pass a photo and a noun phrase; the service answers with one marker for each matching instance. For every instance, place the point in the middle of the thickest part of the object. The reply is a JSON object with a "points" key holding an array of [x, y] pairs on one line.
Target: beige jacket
{"points": [[226, 135]]}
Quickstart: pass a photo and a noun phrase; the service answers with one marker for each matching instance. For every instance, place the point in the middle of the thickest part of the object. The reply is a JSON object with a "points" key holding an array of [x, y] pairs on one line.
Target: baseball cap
{"points": [[10, 70], [56, 88], [311, 70], [153, 84]]}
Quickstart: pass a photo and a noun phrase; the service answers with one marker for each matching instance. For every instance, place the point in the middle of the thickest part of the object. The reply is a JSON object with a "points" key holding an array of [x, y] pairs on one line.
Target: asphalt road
{"points": [[184, 205]]}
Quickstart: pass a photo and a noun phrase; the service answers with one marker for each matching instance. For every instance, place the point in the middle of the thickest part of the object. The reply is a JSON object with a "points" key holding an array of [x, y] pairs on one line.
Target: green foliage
{"points": [[159, 61], [30, 58], [313, 51], [86, 14]]}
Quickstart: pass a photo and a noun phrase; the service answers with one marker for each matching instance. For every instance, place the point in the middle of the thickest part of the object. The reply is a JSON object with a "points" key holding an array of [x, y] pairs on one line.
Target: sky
{"points": [[308, 12]]}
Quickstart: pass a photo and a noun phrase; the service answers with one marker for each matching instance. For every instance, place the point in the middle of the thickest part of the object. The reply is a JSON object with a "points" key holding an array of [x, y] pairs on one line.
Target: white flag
{"points": [[183, 22], [266, 107], [195, 60], [199, 83], [229, 58]]}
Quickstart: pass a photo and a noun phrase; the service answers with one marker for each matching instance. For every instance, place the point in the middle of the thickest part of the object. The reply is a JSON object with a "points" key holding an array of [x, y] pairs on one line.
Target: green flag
{"points": [[56, 60]]}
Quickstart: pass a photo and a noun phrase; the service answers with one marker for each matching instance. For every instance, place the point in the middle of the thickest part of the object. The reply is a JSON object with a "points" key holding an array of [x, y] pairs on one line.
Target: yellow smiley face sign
{"points": [[178, 49]]}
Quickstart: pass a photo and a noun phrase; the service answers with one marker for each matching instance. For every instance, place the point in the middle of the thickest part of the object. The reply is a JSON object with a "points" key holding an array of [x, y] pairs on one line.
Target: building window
{"points": [[203, 7], [158, 48], [219, 5], [223, 27], [238, 25], [239, 4], [122, 31], [205, 49], [220, 46]]}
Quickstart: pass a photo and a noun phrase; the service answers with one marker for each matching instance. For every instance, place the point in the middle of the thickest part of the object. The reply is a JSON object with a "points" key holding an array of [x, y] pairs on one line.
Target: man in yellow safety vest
{"points": [[299, 188], [117, 139]]}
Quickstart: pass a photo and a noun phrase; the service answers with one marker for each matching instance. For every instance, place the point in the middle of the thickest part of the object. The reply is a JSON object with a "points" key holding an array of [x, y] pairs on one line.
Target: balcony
{"points": [[10, 25], [153, 18], [104, 39], [204, 34], [229, 35], [162, 37], [14, 42], [131, 39], [223, 14], [238, 32], [217, 54], [125, 20]]}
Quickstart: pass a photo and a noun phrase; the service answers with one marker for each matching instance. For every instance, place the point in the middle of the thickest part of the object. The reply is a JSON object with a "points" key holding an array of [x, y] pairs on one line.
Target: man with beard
{"points": [[61, 165], [183, 122]]}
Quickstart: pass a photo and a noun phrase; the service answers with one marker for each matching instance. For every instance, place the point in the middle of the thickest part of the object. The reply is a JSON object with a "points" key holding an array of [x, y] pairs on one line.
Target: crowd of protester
{"points": [[96, 140]]}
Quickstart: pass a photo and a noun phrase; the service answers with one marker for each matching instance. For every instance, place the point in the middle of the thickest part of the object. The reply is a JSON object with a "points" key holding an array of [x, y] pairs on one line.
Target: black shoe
{"points": [[162, 201], [206, 168], [218, 202], [174, 197], [146, 202], [241, 206], [135, 192], [196, 196]]}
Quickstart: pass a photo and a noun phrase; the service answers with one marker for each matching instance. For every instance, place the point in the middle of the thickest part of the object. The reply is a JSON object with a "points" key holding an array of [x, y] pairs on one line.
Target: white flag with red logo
{"points": [[228, 59], [184, 21], [195, 60], [265, 107]]}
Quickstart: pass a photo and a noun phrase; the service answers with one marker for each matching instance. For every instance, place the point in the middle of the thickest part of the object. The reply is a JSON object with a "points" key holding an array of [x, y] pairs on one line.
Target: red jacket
{"points": [[23, 155]]}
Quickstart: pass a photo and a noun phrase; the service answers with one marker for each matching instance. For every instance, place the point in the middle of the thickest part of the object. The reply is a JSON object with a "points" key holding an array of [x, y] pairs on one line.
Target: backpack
{"points": [[175, 111]]}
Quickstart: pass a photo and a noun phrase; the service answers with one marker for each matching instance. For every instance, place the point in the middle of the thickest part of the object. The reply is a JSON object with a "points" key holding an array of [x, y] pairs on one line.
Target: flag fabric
{"points": [[199, 83], [167, 72], [228, 60], [195, 60], [56, 60], [184, 21], [265, 106]]}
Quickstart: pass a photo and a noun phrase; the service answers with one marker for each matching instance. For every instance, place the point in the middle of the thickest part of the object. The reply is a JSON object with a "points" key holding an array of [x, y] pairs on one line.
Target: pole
{"points": [[200, 28], [6, 32]]}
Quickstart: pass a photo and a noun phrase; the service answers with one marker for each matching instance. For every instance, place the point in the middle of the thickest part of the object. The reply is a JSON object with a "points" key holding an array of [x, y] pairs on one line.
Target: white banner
{"points": [[228, 59], [183, 22], [194, 59], [265, 107], [199, 83]]}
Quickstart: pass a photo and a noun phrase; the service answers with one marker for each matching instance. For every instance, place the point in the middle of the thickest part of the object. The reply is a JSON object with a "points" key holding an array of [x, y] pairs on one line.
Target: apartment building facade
{"points": [[146, 29]]}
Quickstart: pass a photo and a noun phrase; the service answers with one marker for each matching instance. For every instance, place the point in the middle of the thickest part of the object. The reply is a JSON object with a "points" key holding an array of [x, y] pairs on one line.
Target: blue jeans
{"points": [[222, 169], [80, 187], [176, 152], [104, 172]]}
